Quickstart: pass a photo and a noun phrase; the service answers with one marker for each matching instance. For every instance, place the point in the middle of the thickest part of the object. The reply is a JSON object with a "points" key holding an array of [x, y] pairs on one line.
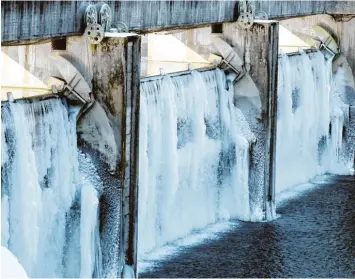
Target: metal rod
{"points": [[4, 87], [174, 74]]}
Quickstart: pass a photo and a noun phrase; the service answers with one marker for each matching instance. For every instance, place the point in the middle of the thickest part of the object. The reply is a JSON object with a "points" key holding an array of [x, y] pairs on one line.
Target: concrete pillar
{"points": [[256, 96], [109, 130]]}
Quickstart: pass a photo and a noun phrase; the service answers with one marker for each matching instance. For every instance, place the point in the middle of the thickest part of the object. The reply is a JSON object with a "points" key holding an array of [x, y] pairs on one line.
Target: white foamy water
{"points": [[43, 192], [194, 157], [310, 121]]}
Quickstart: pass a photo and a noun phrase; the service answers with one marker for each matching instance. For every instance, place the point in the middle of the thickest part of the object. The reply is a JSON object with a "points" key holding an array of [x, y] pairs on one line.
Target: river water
{"points": [[313, 237]]}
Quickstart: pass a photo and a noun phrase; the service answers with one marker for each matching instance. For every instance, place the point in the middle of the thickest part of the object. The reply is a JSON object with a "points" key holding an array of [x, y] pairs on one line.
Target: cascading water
{"points": [[310, 121], [194, 157], [49, 206]]}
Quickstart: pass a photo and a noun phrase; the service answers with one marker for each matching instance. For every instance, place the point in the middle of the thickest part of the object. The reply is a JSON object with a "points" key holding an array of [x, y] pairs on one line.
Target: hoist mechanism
{"points": [[246, 18], [90, 15], [326, 43], [98, 22], [227, 59], [248, 14], [104, 16], [68, 82]]}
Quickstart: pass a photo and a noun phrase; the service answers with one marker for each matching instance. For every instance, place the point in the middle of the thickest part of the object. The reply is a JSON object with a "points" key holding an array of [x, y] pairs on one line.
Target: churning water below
{"points": [[314, 237]]}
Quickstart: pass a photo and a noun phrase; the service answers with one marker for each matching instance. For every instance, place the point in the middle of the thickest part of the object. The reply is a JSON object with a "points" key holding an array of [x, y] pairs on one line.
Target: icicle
{"points": [[186, 123], [308, 103], [40, 185]]}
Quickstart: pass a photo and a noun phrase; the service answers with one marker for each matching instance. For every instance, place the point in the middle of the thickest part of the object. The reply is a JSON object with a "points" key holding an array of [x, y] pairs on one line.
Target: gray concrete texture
{"points": [[36, 20]]}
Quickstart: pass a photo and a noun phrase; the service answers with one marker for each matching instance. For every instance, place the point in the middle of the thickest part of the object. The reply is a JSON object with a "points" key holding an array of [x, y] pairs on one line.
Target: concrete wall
{"points": [[34, 20], [108, 131], [256, 96], [36, 58], [277, 9], [175, 51], [116, 74], [344, 32]]}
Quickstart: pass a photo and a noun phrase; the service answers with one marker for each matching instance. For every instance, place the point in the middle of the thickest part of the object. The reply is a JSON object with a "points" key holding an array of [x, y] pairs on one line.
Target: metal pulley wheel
{"points": [[120, 27], [245, 20], [261, 15], [105, 15], [90, 16], [251, 6], [95, 33]]}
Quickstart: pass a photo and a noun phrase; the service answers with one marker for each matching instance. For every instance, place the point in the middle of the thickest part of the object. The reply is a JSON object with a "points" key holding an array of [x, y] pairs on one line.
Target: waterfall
{"points": [[310, 120], [194, 157], [49, 207]]}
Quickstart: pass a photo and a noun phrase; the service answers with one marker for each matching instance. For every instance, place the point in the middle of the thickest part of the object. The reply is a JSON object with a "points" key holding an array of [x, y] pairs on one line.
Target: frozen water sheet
{"points": [[311, 117], [44, 195], [194, 157]]}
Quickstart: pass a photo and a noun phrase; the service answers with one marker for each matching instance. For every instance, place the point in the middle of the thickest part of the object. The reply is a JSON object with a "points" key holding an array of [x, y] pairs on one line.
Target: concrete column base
{"points": [[109, 130], [256, 96]]}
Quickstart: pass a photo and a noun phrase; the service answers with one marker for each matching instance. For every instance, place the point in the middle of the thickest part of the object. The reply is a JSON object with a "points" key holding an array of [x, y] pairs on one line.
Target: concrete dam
{"points": [[177, 139]]}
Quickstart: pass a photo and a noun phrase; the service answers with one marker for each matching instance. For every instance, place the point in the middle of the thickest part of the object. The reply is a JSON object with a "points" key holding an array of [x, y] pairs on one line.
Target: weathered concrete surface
{"points": [[100, 135], [344, 32], [34, 20], [277, 9], [31, 20], [36, 58], [116, 65], [260, 106]]}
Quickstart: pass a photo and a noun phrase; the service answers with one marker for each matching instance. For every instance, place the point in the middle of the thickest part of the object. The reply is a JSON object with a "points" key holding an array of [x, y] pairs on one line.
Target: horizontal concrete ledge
{"points": [[174, 74], [34, 98], [35, 20], [23, 21]]}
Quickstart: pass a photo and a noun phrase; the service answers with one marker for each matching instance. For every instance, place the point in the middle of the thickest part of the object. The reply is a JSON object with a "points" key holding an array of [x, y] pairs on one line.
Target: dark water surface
{"points": [[314, 237]]}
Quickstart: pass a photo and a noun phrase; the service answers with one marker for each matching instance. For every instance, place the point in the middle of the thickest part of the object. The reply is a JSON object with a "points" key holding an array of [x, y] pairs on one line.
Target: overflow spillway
{"points": [[312, 118], [194, 157], [49, 203]]}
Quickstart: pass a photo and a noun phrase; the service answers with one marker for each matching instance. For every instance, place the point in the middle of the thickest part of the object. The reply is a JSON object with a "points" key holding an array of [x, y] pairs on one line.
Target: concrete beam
{"points": [[281, 9], [256, 96], [26, 21], [33, 20]]}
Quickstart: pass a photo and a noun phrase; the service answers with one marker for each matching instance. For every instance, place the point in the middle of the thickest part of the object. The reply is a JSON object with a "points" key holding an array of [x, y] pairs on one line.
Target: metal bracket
{"points": [[104, 16], [70, 82], [261, 15], [98, 20], [90, 16], [323, 46], [246, 18], [248, 14], [95, 33], [120, 27], [224, 63], [69, 88]]}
